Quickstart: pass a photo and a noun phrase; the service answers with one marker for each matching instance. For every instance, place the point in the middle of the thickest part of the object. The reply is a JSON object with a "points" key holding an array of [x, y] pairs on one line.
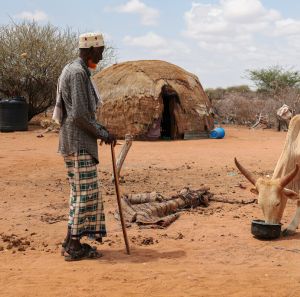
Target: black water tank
{"points": [[13, 114]]}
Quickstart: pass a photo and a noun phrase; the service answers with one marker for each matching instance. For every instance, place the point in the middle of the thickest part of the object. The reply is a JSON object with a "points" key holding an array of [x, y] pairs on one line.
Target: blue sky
{"points": [[215, 39]]}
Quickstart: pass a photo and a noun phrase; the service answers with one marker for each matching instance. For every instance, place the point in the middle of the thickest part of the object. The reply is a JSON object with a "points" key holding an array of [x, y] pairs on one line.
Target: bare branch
{"points": [[32, 57]]}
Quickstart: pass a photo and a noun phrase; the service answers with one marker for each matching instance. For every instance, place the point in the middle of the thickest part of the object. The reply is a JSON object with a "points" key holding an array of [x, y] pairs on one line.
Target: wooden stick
{"points": [[123, 153], [116, 178]]}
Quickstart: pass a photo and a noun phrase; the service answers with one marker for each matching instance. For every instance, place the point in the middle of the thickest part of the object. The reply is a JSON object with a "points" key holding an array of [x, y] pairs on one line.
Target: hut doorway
{"points": [[169, 128]]}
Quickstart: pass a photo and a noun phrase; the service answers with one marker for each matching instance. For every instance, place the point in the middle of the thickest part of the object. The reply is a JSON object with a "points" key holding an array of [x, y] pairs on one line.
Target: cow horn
{"points": [[245, 172], [289, 177]]}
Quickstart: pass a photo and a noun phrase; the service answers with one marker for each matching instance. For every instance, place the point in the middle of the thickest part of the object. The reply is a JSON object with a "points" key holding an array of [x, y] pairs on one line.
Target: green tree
{"points": [[274, 79]]}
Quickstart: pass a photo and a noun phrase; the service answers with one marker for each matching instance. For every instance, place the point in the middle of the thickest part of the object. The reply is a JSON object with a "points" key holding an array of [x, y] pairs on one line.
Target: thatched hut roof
{"points": [[132, 95]]}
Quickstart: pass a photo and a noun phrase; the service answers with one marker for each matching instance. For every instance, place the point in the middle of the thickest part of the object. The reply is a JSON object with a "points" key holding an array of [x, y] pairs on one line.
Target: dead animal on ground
{"points": [[156, 211]]}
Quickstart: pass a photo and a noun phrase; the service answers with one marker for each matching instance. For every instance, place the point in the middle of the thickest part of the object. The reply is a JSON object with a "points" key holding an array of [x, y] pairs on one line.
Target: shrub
{"points": [[32, 57], [274, 79], [238, 89], [243, 111], [242, 106], [215, 94]]}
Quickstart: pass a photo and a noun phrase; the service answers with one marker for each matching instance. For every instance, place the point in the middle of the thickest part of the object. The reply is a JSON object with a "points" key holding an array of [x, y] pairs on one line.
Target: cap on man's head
{"points": [[88, 40]]}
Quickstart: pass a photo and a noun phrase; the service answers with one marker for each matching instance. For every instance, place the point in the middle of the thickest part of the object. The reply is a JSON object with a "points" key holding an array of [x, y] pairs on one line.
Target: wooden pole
{"points": [[116, 179], [123, 154]]}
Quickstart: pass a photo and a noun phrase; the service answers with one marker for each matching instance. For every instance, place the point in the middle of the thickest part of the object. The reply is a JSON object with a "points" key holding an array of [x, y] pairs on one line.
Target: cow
{"points": [[285, 183]]}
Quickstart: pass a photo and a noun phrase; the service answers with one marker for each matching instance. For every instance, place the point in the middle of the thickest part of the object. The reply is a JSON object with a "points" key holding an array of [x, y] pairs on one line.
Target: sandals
{"points": [[63, 248], [85, 252], [87, 247], [83, 245]]}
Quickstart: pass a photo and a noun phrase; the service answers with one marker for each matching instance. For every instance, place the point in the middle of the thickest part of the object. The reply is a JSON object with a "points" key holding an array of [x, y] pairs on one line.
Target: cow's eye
{"points": [[277, 204]]}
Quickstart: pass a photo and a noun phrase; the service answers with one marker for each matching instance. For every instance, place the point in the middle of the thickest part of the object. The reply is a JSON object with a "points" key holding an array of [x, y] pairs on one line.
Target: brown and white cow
{"points": [[285, 183]]}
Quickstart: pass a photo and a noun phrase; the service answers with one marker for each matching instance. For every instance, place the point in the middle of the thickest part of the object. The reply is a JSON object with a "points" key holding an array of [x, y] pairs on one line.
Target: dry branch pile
{"points": [[244, 108]]}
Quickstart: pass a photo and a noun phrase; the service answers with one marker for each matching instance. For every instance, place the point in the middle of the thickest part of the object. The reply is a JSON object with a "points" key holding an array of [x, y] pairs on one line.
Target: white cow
{"points": [[285, 183]]}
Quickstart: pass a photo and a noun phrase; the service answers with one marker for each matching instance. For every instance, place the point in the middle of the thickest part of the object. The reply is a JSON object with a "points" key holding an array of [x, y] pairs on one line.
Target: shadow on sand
{"points": [[140, 255]]}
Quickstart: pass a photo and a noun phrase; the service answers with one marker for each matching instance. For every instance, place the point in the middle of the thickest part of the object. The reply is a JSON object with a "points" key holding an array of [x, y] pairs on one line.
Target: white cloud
{"points": [[287, 27], [231, 36], [205, 19], [233, 25], [229, 16], [221, 40], [158, 45], [242, 10], [36, 15], [149, 16], [150, 40]]}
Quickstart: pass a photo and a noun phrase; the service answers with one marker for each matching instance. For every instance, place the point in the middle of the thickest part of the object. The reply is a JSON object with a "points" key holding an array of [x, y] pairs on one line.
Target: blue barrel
{"points": [[13, 114], [217, 133]]}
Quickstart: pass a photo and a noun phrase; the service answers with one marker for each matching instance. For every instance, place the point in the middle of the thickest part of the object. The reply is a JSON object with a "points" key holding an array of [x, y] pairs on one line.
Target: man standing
{"points": [[75, 109]]}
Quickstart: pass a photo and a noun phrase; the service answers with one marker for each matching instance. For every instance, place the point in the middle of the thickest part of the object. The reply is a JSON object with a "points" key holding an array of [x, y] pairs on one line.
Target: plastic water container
{"points": [[13, 114], [217, 133]]}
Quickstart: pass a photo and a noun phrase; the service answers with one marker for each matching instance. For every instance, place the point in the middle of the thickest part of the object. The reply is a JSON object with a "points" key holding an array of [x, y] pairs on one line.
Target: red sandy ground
{"points": [[206, 252]]}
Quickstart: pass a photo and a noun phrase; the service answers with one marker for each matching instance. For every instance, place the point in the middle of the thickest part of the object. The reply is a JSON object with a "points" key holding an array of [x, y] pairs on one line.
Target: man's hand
{"points": [[110, 139]]}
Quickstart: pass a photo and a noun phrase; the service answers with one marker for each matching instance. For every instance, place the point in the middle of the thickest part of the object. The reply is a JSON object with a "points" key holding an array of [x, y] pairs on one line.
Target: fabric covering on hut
{"points": [[153, 100]]}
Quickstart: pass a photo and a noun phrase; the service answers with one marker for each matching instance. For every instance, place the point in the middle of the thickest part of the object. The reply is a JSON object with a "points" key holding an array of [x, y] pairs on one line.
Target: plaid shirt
{"points": [[79, 129]]}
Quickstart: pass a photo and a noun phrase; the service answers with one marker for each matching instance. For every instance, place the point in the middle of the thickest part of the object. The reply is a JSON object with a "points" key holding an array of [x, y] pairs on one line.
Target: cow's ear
{"points": [[254, 191], [291, 194]]}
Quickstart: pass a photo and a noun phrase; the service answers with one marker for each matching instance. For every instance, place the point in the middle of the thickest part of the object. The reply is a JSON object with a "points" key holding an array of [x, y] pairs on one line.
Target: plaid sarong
{"points": [[86, 215]]}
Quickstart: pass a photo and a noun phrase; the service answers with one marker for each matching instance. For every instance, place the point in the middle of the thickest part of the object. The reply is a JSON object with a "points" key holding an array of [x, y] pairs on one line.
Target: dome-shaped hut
{"points": [[152, 100]]}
